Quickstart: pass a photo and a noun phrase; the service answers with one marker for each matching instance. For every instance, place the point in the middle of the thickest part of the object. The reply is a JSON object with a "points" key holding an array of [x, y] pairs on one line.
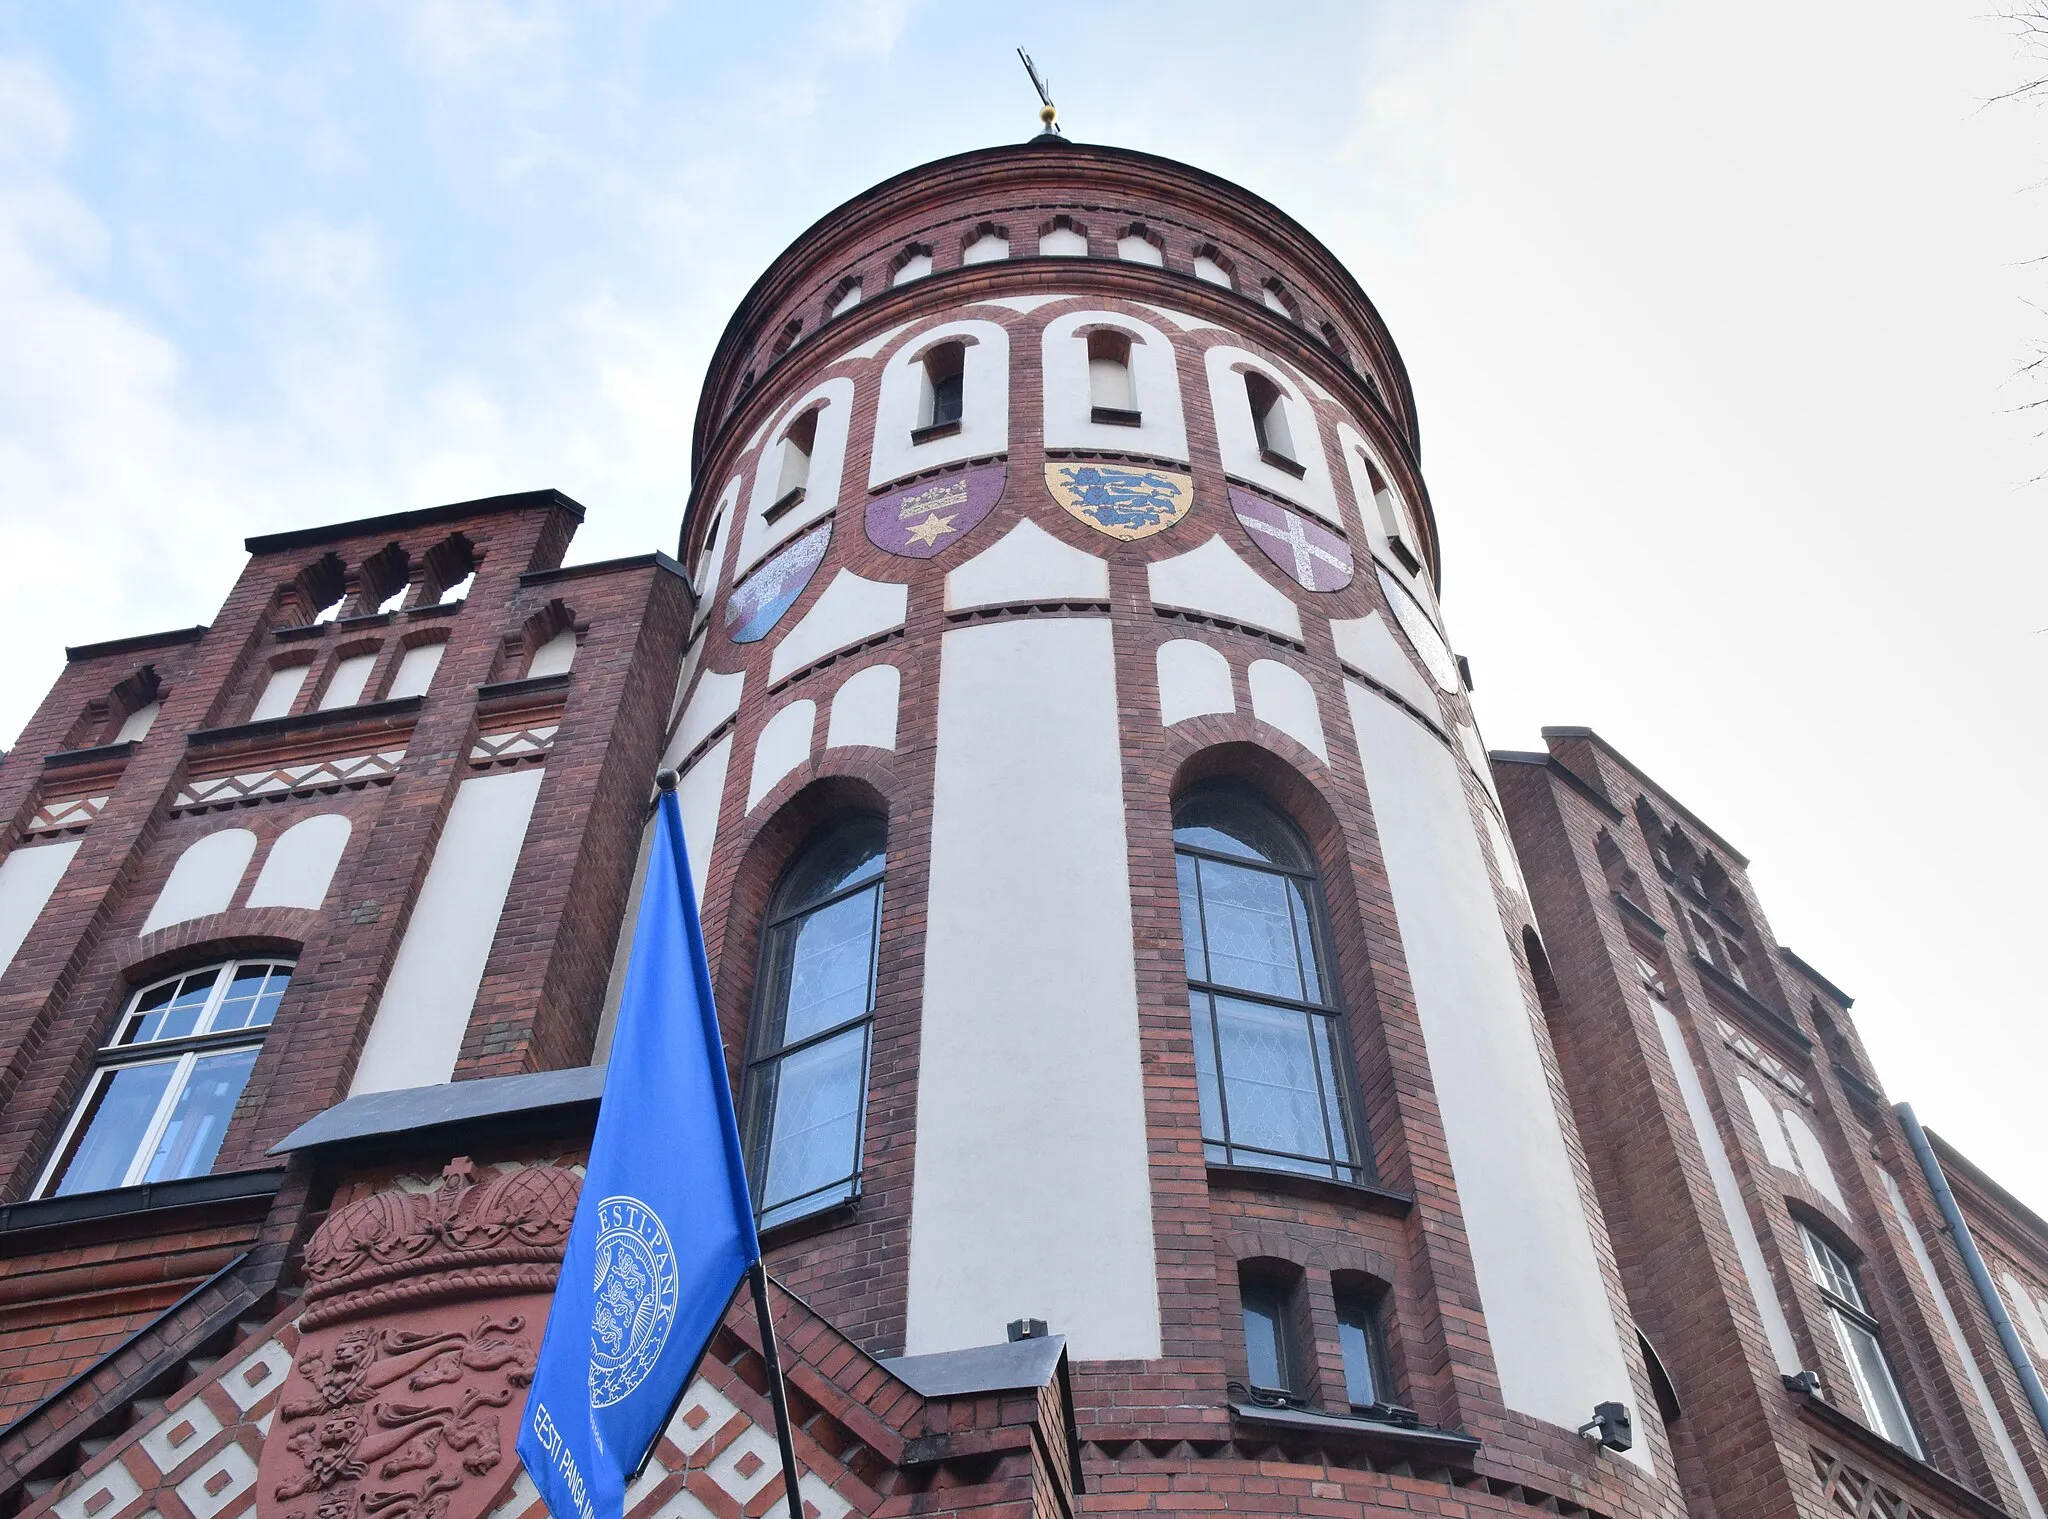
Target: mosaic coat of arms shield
{"points": [[770, 591], [1124, 501], [933, 515], [1318, 559]]}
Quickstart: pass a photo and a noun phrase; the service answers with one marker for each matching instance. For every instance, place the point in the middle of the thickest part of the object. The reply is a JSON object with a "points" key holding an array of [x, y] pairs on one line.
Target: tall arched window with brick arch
{"points": [[1271, 1057], [167, 1083], [814, 1008]]}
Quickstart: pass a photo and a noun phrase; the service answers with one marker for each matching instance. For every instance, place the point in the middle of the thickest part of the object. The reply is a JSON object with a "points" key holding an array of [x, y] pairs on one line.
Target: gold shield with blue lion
{"points": [[1125, 501]]}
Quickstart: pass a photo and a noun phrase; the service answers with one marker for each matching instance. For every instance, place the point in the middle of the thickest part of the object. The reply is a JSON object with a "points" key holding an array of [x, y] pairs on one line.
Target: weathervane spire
{"points": [[1048, 113]]}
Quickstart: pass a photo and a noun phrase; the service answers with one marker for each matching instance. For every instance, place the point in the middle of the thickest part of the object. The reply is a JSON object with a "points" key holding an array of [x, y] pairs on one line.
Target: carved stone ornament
{"points": [[423, 1316]]}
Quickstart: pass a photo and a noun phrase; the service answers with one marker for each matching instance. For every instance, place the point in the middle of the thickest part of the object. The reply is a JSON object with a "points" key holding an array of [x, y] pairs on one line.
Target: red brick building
{"points": [[1165, 1084]]}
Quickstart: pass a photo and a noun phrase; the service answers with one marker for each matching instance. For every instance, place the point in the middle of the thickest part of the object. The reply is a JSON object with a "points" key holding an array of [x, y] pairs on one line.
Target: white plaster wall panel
{"points": [[138, 723], [716, 698], [785, 743], [622, 948], [2032, 1320], [1429, 642], [28, 876], [1368, 645], [916, 267], [106, 1494], [699, 798], [1972, 1372], [219, 1482], [1282, 698], [691, 657], [555, 657], [1031, 1104], [300, 865], [1063, 242], [173, 1442], [417, 1032], [1555, 1342], [204, 879], [1208, 269], [1194, 680], [985, 402], [1155, 386], [1764, 1114], [1214, 579], [1475, 756], [1813, 1160], [1024, 303], [280, 691], [1239, 442], [1027, 565], [864, 709], [986, 249], [850, 611], [875, 344], [711, 564], [345, 686], [1504, 858], [1351, 444], [821, 489], [1139, 250], [1749, 1249], [416, 669]]}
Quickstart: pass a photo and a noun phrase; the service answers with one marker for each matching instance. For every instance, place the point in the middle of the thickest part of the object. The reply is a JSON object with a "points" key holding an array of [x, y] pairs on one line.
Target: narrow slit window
{"points": [[345, 686], [1856, 1332], [1363, 1343], [795, 477], [1272, 1361], [1113, 399], [1269, 423], [1393, 515], [942, 393]]}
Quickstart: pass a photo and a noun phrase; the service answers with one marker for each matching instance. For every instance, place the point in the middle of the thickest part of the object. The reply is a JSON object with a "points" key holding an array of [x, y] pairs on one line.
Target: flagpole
{"points": [[758, 1274]]}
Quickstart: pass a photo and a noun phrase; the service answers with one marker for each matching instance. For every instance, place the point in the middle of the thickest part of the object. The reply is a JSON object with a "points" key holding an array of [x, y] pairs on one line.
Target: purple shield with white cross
{"points": [[931, 516], [1317, 558]]}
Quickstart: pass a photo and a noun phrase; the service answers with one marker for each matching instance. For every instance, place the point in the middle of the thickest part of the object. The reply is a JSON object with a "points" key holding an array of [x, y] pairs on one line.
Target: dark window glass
{"points": [[807, 1075], [1268, 1364], [1270, 1053], [1358, 1333]]}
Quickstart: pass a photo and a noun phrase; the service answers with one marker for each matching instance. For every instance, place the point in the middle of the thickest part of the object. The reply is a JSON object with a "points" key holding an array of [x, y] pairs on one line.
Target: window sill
{"points": [[1285, 465], [824, 1221], [1341, 1429], [1348, 1194], [934, 432], [786, 503], [1902, 1464], [398, 707], [152, 1197], [1405, 554], [435, 609], [1115, 416], [92, 755], [532, 685], [1751, 1004]]}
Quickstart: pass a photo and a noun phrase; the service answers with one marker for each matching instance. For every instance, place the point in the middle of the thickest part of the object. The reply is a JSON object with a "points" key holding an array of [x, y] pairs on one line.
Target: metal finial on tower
{"points": [[1048, 113]]}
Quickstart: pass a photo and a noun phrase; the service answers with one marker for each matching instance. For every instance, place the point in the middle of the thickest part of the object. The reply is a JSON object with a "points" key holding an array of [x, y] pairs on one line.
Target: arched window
{"points": [[942, 392], [1112, 398], [1269, 423], [1271, 1057], [814, 1004], [1362, 1340], [1856, 1333], [1269, 1292], [797, 446], [168, 1080]]}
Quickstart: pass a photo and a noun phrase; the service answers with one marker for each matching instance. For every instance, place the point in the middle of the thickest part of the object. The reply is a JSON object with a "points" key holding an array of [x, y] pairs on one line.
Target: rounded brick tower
{"points": [[1108, 902]]}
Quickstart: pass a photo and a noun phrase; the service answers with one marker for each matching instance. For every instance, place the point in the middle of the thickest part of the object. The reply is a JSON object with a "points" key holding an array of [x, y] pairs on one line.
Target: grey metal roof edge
{"points": [[1006, 1367], [381, 1114]]}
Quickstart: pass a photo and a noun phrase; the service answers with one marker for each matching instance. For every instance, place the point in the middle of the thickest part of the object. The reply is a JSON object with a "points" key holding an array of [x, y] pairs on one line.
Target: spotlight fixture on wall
{"points": [[1807, 1382], [1611, 1426], [1028, 1329]]}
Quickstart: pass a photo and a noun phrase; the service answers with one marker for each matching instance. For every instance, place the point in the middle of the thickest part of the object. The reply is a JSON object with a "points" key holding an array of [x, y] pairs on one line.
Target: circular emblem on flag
{"points": [[634, 1302]]}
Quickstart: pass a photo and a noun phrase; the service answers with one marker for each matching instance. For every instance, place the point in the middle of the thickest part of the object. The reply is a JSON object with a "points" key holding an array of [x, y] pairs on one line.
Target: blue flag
{"points": [[665, 1226]]}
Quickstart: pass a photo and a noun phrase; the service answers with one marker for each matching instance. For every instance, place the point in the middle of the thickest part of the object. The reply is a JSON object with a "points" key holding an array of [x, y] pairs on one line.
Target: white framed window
{"points": [[167, 1082], [1269, 423], [795, 474], [1111, 395], [1856, 1331], [941, 392]]}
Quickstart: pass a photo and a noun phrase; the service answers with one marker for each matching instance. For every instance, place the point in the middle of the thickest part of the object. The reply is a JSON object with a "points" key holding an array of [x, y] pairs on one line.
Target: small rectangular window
{"points": [[1112, 398], [795, 475], [942, 393], [1269, 424], [1268, 1331], [1358, 1335]]}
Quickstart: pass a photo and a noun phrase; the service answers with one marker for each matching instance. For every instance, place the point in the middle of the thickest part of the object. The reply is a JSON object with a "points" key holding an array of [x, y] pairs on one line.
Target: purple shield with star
{"points": [[927, 518], [762, 598], [1317, 558]]}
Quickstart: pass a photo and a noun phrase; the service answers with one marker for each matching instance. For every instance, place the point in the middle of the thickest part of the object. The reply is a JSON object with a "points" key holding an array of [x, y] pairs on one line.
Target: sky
{"points": [[1716, 316]]}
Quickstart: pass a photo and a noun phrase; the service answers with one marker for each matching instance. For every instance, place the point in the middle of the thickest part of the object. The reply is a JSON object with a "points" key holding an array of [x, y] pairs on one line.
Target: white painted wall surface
{"points": [[345, 686], [1972, 1372], [985, 400], [1727, 1191], [1138, 250], [1368, 645], [1239, 443], [821, 489], [1555, 1342], [1764, 1114], [1282, 698], [986, 249], [916, 267], [280, 691], [1063, 242], [417, 1032], [1030, 1104], [864, 709], [1813, 1160], [555, 657], [716, 698], [301, 862], [1208, 269], [416, 669], [622, 950], [1194, 680], [849, 611], [699, 797], [138, 723], [204, 879], [717, 546], [27, 878], [1372, 512], [785, 743], [1155, 386], [1215, 579], [1027, 565]]}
